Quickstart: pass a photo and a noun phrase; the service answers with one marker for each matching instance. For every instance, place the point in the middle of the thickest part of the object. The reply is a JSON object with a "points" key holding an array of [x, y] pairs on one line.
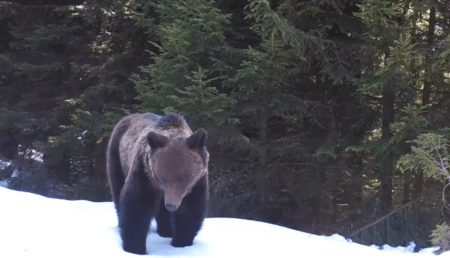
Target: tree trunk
{"points": [[9, 146], [91, 153], [418, 184], [427, 84], [387, 166], [62, 169], [262, 159], [355, 193], [406, 187]]}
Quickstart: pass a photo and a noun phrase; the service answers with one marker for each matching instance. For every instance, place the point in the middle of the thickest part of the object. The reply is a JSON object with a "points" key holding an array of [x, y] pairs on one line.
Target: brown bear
{"points": [[158, 168]]}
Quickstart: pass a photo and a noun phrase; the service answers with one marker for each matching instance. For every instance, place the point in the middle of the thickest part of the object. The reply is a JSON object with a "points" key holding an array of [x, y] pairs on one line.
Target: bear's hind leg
{"points": [[188, 218], [164, 221], [116, 181], [113, 166]]}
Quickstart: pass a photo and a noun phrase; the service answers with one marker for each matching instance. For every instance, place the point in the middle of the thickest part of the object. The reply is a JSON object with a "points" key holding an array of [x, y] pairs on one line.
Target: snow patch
{"points": [[36, 155], [38, 227], [15, 173], [4, 183], [4, 164]]}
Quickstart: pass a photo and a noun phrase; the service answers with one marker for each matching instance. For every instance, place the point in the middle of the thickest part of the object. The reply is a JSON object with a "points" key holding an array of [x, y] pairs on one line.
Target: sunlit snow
{"points": [[4, 164], [36, 226], [4, 183], [15, 173]]}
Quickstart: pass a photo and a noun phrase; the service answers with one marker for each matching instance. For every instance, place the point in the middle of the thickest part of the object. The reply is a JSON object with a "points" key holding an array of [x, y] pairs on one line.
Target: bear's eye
{"points": [[181, 180]]}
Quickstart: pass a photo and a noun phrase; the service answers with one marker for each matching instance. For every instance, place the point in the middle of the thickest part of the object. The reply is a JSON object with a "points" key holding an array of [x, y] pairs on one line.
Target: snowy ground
{"points": [[36, 226], [4, 163], [4, 183]]}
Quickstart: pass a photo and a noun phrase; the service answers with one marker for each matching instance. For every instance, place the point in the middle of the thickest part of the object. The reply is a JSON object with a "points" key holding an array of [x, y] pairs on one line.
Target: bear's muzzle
{"points": [[173, 198], [171, 207]]}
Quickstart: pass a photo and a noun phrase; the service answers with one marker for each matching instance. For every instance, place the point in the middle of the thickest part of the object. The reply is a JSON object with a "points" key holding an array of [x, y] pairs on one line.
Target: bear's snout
{"points": [[173, 198], [171, 207]]}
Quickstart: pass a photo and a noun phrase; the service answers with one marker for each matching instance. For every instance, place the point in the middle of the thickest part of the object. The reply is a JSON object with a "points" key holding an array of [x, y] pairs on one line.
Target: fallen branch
{"points": [[384, 217]]}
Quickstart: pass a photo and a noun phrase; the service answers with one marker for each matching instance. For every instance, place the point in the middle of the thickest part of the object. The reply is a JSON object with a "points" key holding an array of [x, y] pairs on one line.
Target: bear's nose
{"points": [[171, 207]]}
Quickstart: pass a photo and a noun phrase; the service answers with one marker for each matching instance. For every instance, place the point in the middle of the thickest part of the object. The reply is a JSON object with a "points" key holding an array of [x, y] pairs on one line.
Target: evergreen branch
{"points": [[47, 2]]}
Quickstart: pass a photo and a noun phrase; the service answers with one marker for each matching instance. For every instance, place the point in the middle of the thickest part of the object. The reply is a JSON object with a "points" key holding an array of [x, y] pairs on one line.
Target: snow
{"points": [[4, 183], [4, 164], [37, 156], [32, 154], [36, 226], [15, 173]]}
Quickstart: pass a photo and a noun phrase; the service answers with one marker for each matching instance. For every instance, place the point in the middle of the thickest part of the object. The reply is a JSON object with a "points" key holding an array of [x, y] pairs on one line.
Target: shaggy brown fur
{"points": [[157, 167]]}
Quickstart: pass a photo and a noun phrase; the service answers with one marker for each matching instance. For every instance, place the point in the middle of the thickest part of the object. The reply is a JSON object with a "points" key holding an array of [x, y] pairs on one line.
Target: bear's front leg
{"points": [[137, 207], [188, 218], [164, 221]]}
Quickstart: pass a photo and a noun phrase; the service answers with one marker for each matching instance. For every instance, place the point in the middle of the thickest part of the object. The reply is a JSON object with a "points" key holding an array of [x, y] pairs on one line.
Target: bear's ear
{"points": [[156, 140], [198, 139]]}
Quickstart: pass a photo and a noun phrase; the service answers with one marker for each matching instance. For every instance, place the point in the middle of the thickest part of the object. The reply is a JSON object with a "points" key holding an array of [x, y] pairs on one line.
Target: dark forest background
{"points": [[326, 116]]}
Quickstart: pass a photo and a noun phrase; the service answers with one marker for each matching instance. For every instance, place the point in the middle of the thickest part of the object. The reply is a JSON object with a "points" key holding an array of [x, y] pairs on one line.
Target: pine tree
{"points": [[189, 70], [385, 79], [260, 82]]}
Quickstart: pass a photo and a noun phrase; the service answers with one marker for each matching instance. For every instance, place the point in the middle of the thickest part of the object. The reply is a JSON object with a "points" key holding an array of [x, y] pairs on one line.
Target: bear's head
{"points": [[177, 164]]}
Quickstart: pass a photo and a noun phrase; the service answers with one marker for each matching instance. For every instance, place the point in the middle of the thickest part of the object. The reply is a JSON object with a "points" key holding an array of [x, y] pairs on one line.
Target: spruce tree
{"points": [[382, 31], [260, 83], [191, 64]]}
